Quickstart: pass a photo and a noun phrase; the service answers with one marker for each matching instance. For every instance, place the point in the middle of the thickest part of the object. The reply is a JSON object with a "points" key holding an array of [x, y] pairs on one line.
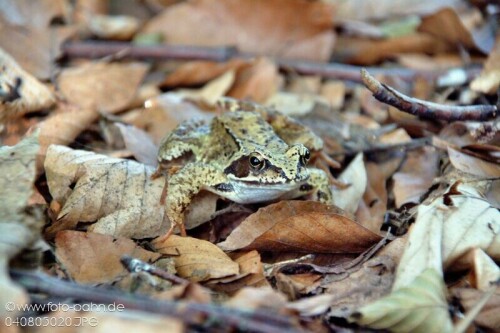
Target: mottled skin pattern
{"points": [[248, 156]]}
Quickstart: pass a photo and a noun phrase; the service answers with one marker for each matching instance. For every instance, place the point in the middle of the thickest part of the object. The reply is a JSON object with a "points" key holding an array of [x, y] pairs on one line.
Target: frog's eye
{"points": [[305, 156], [256, 162]]}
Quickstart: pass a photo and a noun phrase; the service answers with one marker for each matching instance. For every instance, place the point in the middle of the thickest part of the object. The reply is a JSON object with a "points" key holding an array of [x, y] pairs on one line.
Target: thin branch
{"points": [[137, 265], [96, 49], [424, 109], [190, 313]]}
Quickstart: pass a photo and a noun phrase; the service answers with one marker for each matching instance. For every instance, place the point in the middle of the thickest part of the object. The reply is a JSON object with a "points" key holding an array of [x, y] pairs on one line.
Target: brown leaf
{"points": [[251, 274], [18, 228], [300, 226], [62, 128], [22, 93], [139, 143], [257, 298], [247, 25], [107, 87], [256, 81], [95, 258], [447, 25], [196, 259], [372, 209], [416, 175], [488, 317], [194, 73], [119, 27], [37, 14]]}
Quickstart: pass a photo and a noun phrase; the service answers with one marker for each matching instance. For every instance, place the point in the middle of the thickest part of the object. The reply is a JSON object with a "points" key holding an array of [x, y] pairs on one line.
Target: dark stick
{"points": [[424, 109], [137, 265], [190, 313], [96, 49]]}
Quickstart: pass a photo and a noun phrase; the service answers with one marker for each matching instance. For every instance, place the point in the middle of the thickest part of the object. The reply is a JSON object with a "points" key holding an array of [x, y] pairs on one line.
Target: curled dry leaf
{"points": [[95, 258], [18, 229], [107, 87], [483, 271], [300, 226], [242, 24], [416, 175], [418, 307], [118, 194], [488, 317], [349, 198], [119, 27], [212, 91], [473, 165], [21, 92], [196, 259], [469, 221], [489, 79], [62, 127], [251, 274]]}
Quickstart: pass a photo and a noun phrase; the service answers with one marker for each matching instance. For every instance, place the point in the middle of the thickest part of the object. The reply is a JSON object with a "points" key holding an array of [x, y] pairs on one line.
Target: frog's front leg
{"points": [[183, 186], [318, 186]]}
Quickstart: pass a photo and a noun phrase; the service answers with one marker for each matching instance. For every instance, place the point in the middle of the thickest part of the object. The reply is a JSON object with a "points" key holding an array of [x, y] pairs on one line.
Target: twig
{"points": [[424, 109], [96, 49], [137, 265], [190, 313]]}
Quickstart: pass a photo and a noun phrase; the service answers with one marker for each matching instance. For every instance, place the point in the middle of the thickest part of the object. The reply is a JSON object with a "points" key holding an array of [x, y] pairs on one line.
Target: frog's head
{"points": [[261, 167]]}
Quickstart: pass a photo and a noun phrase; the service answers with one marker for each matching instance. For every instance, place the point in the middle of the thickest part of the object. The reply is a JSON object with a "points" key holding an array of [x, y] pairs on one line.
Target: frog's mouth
{"points": [[254, 192]]}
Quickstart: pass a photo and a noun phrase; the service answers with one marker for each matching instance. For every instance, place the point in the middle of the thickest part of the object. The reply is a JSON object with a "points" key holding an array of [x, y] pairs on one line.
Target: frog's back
{"points": [[185, 138]]}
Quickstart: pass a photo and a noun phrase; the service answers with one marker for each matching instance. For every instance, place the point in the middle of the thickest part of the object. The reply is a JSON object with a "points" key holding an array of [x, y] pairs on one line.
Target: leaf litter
{"points": [[411, 242]]}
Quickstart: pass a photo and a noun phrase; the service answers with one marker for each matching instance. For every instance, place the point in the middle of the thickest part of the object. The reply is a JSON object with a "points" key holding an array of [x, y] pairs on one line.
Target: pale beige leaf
{"points": [[256, 26], [473, 165], [251, 298], [489, 79], [38, 14], [300, 226], [484, 272], [196, 259], [291, 103], [419, 307], [212, 91], [18, 229], [118, 194], [21, 92], [355, 175], [118, 27], [95, 258], [312, 306], [470, 222], [107, 87]]}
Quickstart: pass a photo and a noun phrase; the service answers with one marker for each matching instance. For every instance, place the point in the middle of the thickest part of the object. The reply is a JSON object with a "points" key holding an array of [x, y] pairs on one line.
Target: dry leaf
{"points": [[106, 87], [139, 143], [373, 207], [312, 306], [483, 271], [112, 321], [62, 128], [300, 226], [118, 194], [292, 104], [251, 274], [196, 259], [199, 72], [18, 229], [38, 14], [95, 258], [212, 91], [257, 298], [418, 307], [416, 175], [349, 198], [473, 165], [256, 81], [488, 317], [118, 27], [334, 93], [247, 24], [21, 92], [489, 79]]}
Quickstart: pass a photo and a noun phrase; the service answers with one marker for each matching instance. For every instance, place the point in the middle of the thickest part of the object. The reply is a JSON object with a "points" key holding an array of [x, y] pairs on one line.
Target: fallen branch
{"points": [[95, 49], [424, 109], [190, 313], [135, 265]]}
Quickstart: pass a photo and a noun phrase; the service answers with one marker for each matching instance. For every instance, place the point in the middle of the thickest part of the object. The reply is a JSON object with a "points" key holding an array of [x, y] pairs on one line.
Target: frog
{"points": [[247, 154]]}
